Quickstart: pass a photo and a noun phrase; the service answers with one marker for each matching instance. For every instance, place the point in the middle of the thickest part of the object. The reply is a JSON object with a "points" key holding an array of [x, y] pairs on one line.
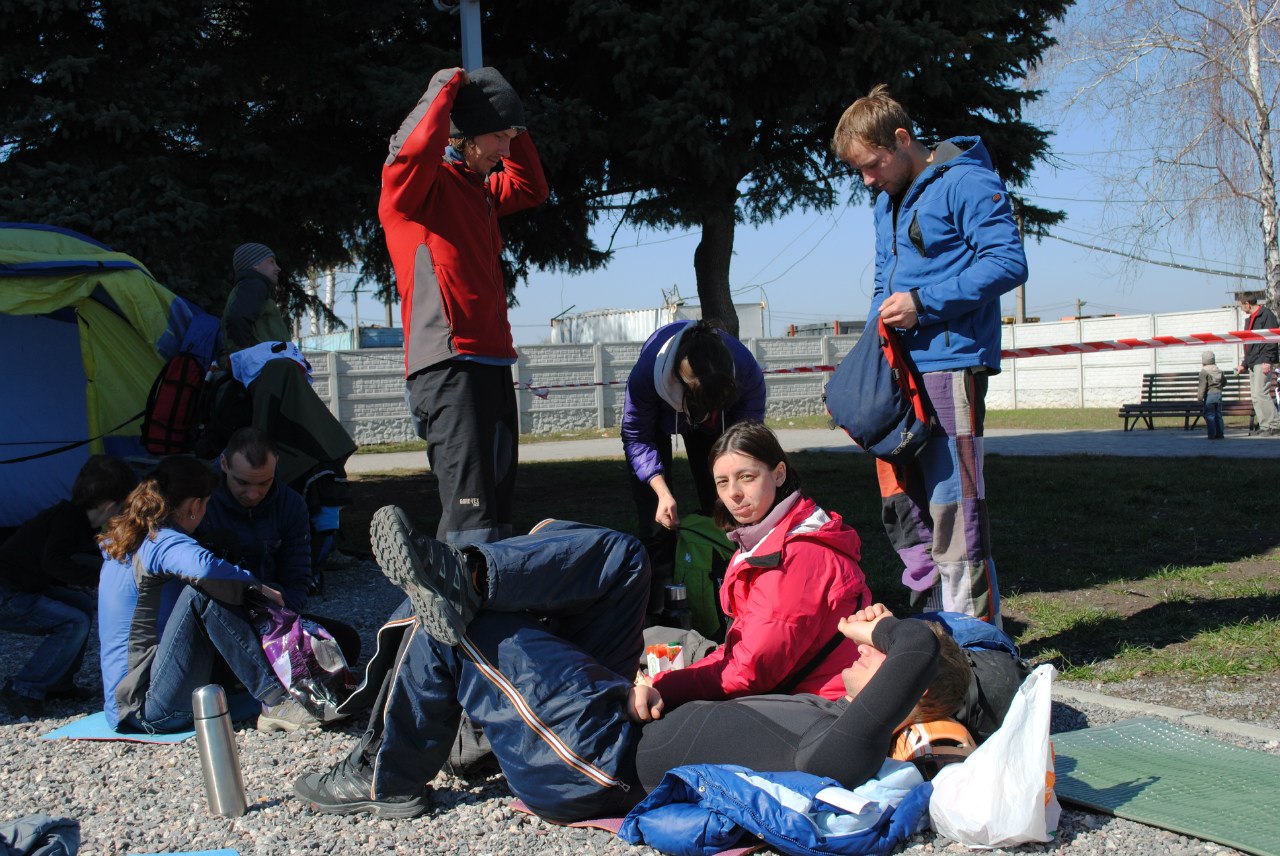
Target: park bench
{"points": [[1173, 395]]}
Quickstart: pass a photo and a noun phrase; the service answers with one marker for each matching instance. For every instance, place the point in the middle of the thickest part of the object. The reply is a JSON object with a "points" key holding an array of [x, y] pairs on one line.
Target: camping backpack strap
{"points": [[793, 680], [172, 417], [702, 553], [905, 375]]}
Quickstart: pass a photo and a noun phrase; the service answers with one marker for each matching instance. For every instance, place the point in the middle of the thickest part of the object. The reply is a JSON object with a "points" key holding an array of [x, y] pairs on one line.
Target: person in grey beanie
{"points": [[251, 315], [461, 160], [1209, 394]]}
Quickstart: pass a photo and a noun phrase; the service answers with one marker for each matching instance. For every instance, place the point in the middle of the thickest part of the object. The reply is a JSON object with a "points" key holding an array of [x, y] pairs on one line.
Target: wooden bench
{"points": [[1173, 394]]}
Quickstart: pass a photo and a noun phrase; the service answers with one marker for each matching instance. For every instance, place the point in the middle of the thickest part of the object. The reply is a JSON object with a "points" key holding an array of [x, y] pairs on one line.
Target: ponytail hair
{"points": [[153, 503]]}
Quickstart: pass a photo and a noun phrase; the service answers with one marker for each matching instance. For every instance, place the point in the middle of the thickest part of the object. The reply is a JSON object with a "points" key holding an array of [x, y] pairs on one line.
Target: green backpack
{"points": [[701, 559]]}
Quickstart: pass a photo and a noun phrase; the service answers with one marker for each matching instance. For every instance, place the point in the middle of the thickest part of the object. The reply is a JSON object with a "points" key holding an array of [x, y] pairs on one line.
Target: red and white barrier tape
{"points": [[1235, 337]]}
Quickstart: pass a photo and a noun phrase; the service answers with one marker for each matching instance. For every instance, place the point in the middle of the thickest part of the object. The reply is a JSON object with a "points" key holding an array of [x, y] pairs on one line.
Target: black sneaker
{"points": [[19, 705], [347, 788], [434, 575]]}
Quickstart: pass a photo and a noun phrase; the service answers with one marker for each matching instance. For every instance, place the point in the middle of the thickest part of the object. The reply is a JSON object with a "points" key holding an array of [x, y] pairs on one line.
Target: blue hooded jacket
{"points": [[954, 243], [702, 809]]}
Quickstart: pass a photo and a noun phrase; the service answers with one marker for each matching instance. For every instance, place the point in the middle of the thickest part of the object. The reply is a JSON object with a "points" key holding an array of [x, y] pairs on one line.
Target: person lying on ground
{"points": [[46, 569], [166, 606], [534, 637]]}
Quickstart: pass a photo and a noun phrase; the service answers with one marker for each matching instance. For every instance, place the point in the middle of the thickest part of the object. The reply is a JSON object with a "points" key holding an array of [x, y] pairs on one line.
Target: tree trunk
{"points": [[1262, 150], [711, 264]]}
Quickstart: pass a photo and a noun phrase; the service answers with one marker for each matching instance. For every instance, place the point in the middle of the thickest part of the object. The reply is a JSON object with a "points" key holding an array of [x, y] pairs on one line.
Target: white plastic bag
{"points": [[1002, 794]]}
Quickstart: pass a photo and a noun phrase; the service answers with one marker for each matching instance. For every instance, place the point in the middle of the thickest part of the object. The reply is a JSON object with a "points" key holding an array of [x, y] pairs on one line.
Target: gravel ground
{"points": [[138, 798]]}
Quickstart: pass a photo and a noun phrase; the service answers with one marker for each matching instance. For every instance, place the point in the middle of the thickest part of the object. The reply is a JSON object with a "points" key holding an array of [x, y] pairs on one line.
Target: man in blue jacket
{"points": [[947, 247]]}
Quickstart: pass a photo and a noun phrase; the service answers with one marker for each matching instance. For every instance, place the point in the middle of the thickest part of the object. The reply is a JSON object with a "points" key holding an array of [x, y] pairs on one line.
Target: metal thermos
{"points": [[218, 757], [675, 611]]}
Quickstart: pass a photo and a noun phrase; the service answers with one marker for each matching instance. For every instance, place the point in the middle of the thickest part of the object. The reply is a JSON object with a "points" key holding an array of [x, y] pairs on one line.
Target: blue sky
{"points": [[812, 267], [818, 266]]}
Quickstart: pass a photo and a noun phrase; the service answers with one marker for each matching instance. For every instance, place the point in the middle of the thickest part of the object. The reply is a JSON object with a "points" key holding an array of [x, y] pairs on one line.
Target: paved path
{"points": [[1139, 443]]}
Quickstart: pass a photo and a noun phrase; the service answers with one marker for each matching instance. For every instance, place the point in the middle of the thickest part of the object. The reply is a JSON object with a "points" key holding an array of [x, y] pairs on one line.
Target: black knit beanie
{"points": [[485, 105]]}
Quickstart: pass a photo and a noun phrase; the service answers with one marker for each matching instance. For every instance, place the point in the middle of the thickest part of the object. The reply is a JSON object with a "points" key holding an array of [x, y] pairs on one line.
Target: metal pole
{"points": [[472, 55], [1019, 293], [330, 294]]}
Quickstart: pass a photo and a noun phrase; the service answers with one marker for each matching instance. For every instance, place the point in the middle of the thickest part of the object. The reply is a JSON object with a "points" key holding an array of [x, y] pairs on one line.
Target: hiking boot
{"points": [[19, 705], [347, 788], [288, 715], [434, 575]]}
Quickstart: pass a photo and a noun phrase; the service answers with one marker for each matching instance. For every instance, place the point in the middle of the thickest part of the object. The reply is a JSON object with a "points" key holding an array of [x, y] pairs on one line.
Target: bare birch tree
{"points": [[1195, 84]]}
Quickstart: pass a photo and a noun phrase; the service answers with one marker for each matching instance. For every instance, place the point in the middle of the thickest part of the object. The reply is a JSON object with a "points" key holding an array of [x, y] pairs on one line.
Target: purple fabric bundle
{"points": [[305, 657]]}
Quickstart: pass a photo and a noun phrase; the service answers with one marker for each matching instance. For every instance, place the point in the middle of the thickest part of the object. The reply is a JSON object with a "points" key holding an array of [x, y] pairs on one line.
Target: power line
{"points": [[834, 223], [1099, 201], [660, 241], [785, 247], [1145, 260], [1093, 236]]}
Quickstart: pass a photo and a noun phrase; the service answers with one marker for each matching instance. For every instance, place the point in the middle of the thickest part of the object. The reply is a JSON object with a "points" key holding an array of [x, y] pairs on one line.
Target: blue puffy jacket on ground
{"points": [[702, 809]]}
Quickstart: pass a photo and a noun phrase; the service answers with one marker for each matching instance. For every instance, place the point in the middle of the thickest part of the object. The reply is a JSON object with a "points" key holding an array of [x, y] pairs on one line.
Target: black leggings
{"points": [[847, 741]]}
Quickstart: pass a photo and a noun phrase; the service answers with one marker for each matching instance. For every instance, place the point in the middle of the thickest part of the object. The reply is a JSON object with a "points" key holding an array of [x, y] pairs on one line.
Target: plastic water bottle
{"points": [[223, 782], [675, 611]]}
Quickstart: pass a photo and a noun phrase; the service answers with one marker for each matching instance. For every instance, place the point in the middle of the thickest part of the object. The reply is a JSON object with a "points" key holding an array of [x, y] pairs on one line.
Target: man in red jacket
{"points": [[461, 160]]}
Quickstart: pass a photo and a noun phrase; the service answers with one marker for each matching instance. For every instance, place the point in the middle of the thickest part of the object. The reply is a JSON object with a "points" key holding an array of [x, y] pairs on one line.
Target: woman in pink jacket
{"points": [[794, 576]]}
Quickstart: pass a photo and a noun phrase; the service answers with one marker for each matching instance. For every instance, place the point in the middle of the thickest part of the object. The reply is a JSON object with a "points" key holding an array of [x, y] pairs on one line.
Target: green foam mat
{"points": [[1156, 773]]}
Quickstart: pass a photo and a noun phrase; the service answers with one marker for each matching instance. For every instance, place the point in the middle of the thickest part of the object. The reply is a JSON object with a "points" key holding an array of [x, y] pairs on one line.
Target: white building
{"points": [[636, 325]]}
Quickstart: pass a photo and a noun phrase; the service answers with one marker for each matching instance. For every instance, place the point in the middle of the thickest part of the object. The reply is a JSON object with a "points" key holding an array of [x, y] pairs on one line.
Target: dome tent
{"points": [[84, 331]]}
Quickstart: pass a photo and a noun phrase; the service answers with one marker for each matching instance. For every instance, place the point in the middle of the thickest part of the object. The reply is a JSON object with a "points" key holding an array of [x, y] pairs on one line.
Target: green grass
{"points": [[1237, 650], [1064, 419], [1109, 566], [1057, 418], [1049, 617]]}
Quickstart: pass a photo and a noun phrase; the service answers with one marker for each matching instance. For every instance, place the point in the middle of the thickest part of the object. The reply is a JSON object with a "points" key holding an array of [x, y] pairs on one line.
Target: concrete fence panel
{"points": [[585, 383]]}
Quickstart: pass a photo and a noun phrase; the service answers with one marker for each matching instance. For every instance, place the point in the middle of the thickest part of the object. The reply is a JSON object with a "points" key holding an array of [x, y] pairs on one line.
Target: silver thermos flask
{"points": [[218, 757]]}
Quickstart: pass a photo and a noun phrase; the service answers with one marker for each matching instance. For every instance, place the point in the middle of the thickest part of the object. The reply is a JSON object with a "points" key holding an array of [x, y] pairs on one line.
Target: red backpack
{"points": [[172, 420]]}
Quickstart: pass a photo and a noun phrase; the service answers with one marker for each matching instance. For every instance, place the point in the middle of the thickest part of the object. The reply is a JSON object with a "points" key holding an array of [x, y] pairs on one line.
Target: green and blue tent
{"points": [[84, 331]]}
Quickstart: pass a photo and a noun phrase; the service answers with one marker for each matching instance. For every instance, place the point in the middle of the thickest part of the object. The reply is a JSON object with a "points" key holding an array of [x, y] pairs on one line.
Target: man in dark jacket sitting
{"points": [[262, 525], [47, 569]]}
